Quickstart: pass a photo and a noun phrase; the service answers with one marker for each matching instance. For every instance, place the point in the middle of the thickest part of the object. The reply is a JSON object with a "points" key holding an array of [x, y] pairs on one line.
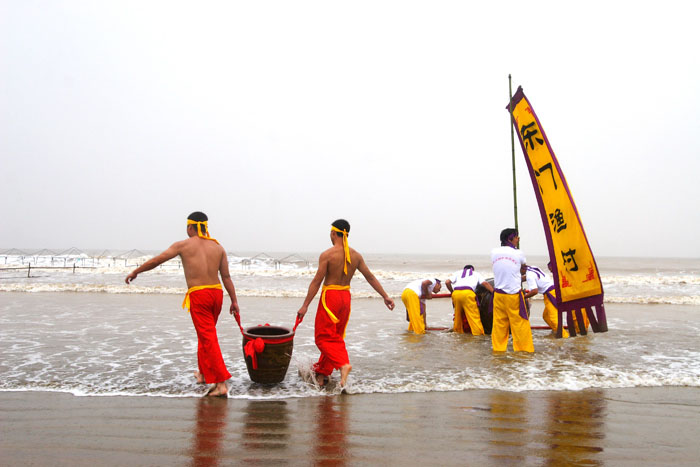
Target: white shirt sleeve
{"points": [[531, 281]]}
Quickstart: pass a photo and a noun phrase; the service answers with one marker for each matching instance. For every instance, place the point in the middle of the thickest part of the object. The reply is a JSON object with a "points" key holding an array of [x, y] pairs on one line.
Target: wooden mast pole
{"points": [[512, 149]]}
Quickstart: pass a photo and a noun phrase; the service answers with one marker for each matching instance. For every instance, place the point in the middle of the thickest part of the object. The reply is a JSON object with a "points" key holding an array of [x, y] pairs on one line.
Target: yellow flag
{"points": [[577, 282]]}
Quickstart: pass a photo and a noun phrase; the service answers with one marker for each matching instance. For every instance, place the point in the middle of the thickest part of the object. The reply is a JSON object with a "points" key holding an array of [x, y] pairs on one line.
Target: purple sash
{"points": [[538, 272], [523, 307], [552, 298]]}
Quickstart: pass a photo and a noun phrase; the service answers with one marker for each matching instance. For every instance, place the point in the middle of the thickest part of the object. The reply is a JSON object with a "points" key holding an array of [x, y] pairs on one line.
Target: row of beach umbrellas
{"points": [[132, 254]]}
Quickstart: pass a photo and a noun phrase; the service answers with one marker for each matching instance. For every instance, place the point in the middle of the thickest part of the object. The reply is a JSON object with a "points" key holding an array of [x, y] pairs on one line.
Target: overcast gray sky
{"points": [[118, 119]]}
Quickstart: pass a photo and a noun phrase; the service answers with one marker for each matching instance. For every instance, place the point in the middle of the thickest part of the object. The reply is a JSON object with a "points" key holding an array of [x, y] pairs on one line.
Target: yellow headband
{"points": [[199, 225], [346, 247]]}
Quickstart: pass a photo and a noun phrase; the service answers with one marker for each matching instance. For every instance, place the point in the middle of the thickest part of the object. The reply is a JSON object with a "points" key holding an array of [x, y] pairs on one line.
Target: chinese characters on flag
{"points": [[577, 282]]}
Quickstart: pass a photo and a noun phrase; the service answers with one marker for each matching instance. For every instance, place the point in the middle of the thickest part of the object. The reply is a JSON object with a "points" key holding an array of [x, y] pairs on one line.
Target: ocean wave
{"points": [[656, 300], [90, 288], [267, 268], [652, 280], [648, 299], [240, 386], [291, 292]]}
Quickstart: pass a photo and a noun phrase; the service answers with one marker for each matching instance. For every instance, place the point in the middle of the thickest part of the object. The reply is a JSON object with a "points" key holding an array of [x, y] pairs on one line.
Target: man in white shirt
{"points": [[509, 310], [463, 284], [413, 297]]}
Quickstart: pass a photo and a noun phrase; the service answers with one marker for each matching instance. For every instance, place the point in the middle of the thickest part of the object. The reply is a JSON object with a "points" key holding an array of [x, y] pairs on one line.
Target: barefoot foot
{"points": [[218, 390], [321, 380], [198, 376], [344, 372]]}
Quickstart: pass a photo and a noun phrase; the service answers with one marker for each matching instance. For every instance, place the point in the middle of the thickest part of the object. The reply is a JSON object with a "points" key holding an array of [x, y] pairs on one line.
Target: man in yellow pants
{"points": [[463, 284], [539, 282], [413, 297], [509, 310]]}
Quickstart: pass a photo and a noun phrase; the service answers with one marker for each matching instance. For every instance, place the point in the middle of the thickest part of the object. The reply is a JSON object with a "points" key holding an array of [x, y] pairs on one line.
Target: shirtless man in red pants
{"points": [[203, 259], [336, 267]]}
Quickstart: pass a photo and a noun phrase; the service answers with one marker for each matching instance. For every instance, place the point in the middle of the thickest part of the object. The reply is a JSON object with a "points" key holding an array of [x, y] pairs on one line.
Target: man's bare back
{"points": [[203, 261], [331, 265], [335, 258]]}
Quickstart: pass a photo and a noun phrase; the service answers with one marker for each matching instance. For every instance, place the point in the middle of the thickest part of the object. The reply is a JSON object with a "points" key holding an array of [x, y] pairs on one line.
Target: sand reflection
{"points": [[265, 428], [553, 427], [209, 432], [508, 427], [331, 446], [574, 427]]}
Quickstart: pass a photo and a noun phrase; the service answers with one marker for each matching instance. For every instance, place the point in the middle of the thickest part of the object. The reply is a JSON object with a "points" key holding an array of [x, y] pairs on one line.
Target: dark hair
{"points": [[507, 235], [341, 224], [468, 266], [198, 216]]}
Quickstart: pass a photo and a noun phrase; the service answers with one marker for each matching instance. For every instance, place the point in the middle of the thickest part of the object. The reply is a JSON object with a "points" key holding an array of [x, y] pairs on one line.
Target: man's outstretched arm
{"points": [[315, 285], [362, 267], [156, 261]]}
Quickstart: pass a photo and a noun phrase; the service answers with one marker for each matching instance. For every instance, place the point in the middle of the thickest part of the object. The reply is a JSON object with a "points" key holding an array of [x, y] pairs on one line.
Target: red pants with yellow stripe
{"points": [[205, 307], [330, 336]]}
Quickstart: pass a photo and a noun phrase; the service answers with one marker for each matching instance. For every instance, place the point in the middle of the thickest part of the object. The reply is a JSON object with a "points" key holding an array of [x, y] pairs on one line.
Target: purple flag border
{"points": [[572, 305]]}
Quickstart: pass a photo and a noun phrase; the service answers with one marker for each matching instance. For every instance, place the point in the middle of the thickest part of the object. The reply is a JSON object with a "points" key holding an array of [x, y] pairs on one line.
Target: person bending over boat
{"points": [[463, 284], [413, 297], [203, 260], [509, 310], [539, 282], [336, 266]]}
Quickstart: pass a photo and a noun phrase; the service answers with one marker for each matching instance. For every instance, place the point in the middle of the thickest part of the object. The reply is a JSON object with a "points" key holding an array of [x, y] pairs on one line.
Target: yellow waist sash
{"points": [[186, 302], [323, 298]]}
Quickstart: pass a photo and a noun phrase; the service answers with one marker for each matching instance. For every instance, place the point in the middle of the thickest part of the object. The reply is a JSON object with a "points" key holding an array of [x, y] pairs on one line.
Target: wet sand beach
{"points": [[649, 426]]}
